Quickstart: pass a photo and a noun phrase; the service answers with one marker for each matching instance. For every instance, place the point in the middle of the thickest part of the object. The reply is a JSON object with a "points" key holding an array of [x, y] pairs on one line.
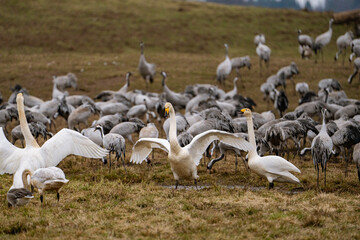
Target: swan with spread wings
{"points": [[184, 160], [14, 160]]}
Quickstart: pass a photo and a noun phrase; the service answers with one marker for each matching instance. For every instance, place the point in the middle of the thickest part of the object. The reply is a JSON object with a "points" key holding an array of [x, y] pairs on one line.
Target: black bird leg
{"points": [[271, 185]]}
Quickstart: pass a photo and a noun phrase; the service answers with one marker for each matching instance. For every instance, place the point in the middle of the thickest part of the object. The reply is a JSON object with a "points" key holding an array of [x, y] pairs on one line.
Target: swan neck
{"points": [[24, 179], [29, 138], [251, 134], [175, 147]]}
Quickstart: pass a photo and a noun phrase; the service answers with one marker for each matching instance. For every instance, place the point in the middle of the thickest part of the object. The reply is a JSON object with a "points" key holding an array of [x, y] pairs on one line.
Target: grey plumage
{"points": [[356, 70], [18, 197], [147, 70], [321, 149]]}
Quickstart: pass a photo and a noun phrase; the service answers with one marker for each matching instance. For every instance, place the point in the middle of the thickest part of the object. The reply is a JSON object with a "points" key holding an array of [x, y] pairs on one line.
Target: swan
{"points": [[45, 179], [183, 160], [274, 168], [14, 160]]}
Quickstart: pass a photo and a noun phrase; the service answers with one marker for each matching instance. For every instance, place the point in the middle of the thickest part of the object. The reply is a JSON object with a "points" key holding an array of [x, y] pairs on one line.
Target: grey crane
{"points": [[178, 100], [263, 52], [125, 129], [289, 71], [342, 42], [240, 62], [146, 70], [109, 94], [115, 143], [355, 51], [356, 70], [80, 115], [66, 81], [322, 40], [304, 41], [234, 91], [224, 68], [345, 138], [321, 149]]}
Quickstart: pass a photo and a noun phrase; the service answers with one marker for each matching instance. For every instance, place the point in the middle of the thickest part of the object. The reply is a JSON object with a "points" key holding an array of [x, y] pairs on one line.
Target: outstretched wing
{"points": [[9, 162], [67, 142], [201, 141], [143, 147]]}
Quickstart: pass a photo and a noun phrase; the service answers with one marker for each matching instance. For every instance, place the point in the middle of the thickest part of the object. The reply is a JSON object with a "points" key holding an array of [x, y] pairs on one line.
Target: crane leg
{"points": [[236, 163], [325, 176], [317, 181]]}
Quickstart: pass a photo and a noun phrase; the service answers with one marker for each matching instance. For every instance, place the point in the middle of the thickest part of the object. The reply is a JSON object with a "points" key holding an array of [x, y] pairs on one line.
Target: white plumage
{"points": [[183, 160], [273, 168], [14, 160], [46, 179]]}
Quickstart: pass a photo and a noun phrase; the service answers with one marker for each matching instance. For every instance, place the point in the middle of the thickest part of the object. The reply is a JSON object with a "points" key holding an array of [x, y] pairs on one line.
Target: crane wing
{"points": [[67, 142], [8, 161], [143, 147], [201, 141]]}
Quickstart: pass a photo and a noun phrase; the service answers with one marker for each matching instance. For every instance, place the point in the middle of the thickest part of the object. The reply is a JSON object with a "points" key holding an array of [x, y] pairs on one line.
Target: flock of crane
{"points": [[213, 119]]}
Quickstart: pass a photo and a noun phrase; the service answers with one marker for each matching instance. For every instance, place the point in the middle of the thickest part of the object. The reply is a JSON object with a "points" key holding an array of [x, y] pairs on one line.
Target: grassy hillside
{"points": [[99, 42]]}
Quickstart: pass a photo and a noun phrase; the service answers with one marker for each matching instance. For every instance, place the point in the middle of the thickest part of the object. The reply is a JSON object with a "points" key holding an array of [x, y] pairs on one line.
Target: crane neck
{"points": [[29, 138]]}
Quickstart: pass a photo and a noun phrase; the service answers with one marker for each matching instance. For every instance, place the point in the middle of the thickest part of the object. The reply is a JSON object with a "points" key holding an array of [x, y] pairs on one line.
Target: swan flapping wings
{"points": [[7, 165], [143, 147], [200, 142], [67, 142]]}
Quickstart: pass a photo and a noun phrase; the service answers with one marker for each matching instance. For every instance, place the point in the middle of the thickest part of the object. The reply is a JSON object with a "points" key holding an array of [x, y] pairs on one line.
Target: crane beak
{"points": [[166, 112]]}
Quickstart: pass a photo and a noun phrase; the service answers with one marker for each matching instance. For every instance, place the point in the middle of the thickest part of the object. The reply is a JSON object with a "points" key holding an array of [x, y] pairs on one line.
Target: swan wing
{"points": [[67, 142], [8, 161], [278, 165], [201, 141], [143, 147]]}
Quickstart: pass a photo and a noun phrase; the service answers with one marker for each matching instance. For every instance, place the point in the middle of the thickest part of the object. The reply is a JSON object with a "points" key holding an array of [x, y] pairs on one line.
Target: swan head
{"points": [[19, 97], [246, 112], [167, 108]]}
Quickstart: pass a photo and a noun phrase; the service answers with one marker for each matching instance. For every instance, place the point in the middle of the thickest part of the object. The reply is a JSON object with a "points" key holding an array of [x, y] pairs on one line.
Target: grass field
{"points": [[99, 42]]}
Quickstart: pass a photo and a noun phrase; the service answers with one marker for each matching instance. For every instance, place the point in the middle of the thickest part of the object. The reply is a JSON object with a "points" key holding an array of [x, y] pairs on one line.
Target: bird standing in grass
{"points": [[321, 149], [224, 68], [184, 160], [322, 40], [146, 70], [45, 179], [273, 168]]}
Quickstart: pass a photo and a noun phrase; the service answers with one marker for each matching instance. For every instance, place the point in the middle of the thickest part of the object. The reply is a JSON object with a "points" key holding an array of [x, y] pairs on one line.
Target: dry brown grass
{"points": [[186, 40]]}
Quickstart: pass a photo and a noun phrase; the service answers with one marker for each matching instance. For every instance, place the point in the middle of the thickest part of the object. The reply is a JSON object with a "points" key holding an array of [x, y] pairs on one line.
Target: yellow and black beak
{"points": [[243, 110], [166, 112]]}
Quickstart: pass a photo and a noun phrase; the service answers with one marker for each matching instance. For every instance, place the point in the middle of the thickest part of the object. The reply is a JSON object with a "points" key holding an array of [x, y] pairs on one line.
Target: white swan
{"points": [[183, 160], [14, 160], [45, 179], [274, 168]]}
